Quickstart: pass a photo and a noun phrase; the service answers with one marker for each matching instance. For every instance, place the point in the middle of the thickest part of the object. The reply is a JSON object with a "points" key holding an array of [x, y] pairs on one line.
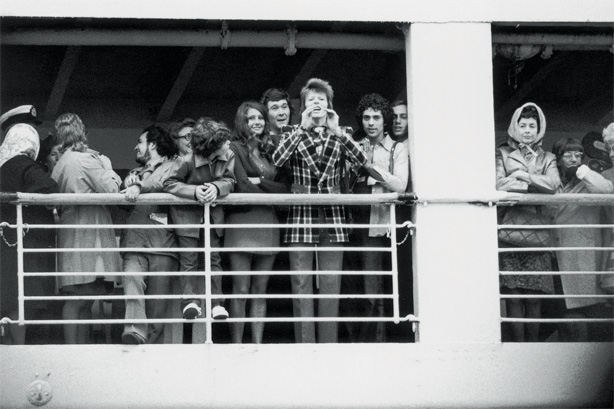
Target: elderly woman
{"points": [[523, 166], [20, 173], [255, 173], [82, 170], [578, 178]]}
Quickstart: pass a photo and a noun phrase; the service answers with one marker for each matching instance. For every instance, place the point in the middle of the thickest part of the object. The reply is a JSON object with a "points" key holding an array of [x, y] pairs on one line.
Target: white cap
{"points": [[25, 114]]}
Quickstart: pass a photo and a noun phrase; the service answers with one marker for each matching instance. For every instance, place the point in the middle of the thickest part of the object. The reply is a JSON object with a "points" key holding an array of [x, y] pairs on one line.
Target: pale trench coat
{"points": [[85, 172], [589, 260]]}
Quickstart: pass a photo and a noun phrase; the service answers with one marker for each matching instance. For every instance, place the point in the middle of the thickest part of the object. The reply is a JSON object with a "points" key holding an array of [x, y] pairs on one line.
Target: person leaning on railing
{"points": [[254, 172], [20, 173], [204, 174], [522, 165], [154, 151], [578, 178], [82, 170]]}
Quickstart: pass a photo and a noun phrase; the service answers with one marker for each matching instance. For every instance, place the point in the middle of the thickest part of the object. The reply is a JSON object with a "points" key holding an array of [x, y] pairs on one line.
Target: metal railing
{"points": [[24, 199], [584, 199]]}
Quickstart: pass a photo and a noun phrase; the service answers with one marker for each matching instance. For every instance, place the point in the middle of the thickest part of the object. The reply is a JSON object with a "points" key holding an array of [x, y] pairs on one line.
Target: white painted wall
{"points": [[311, 376], [453, 156]]}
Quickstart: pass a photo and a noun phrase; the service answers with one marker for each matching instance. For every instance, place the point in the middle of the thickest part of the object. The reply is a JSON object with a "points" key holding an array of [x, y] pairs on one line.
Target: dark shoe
{"points": [[132, 338]]}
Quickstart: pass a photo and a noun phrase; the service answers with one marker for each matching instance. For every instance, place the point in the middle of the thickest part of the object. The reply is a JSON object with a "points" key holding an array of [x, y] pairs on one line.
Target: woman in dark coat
{"points": [[19, 172], [255, 173]]}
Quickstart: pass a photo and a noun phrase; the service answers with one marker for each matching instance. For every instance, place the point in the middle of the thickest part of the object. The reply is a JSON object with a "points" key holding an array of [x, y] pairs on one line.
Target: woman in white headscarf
{"points": [[524, 166], [19, 172]]}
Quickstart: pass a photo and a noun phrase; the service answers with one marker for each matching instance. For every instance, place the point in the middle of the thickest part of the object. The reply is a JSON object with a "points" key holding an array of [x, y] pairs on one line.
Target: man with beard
{"points": [[154, 150]]}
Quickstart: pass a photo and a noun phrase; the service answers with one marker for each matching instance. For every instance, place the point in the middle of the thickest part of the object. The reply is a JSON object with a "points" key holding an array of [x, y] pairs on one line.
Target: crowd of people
{"points": [[522, 165], [205, 160]]}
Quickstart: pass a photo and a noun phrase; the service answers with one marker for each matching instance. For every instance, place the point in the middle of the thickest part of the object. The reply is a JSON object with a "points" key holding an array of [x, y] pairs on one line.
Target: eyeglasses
{"points": [[187, 137], [573, 155]]}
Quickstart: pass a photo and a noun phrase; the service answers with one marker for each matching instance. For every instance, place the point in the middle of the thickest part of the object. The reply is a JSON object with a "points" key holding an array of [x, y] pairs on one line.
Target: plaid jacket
{"points": [[314, 172]]}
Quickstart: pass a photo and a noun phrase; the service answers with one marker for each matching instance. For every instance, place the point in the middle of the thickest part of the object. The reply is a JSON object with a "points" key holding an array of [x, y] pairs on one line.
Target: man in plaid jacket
{"points": [[316, 152]]}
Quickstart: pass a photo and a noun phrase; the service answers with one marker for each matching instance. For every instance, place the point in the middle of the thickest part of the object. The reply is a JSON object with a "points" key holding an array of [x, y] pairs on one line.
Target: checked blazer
{"points": [[315, 160]]}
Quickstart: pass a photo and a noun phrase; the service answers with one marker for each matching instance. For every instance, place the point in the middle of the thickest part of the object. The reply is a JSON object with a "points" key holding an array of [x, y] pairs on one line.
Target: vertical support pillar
{"points": [[452, 154]]}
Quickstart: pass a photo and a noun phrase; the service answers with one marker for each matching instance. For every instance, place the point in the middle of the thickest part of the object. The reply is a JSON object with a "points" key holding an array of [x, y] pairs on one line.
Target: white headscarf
{"points": [[21, 139], [514, 130]]}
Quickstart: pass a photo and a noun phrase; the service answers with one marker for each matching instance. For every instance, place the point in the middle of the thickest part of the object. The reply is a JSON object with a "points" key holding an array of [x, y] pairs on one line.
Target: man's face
{"points": [[142, 153], [373, 123], [183, 141], [318, 99], [279, 114], [399, 121]]}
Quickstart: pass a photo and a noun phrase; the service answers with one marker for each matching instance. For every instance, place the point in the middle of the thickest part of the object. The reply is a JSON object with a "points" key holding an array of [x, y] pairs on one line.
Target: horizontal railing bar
{"points": [[202, 296], [546, 296], [62, 199], [406, 224], [496, 198], [561, 320], [553, 226], [408, 318], [553, 273], [195, 249], [501, 198], [523, 249], [202, 273]]}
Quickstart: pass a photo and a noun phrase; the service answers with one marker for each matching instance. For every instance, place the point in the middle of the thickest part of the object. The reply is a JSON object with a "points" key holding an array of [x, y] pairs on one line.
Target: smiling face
{"points": [[183, 141], [609, 147], [278, 113], [142, 154], [373, 123], [255, 122], [528, 130], [399, 123]]}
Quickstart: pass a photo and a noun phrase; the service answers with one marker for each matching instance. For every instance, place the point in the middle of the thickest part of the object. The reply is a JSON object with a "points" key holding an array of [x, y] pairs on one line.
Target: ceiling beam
{"points": [[505, 110], [181, 83], [61, 82]]}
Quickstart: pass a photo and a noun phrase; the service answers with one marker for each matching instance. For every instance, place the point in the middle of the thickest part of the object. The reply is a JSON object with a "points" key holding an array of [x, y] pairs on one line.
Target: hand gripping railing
{"points": [[21, 199]]}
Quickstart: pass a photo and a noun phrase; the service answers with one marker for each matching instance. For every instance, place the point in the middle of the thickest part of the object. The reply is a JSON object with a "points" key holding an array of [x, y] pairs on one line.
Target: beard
{"points": [[143, 159]]}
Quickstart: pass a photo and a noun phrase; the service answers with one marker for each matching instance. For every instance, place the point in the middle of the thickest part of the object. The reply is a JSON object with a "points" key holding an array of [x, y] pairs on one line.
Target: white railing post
{"points": [[452, 155], [207, 247], [20, 268], [394, 263]]}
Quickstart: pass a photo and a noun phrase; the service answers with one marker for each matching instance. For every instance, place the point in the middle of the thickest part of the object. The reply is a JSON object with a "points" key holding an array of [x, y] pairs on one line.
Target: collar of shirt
{"points": [[215, 156], [386, 143]]}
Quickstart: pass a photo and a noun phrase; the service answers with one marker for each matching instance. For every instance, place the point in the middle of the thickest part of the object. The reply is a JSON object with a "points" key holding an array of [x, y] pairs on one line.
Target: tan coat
{"points": [[85, 172], [581, 260]]}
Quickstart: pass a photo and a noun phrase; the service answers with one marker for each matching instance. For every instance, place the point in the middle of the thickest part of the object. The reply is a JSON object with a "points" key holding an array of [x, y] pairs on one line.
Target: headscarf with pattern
{"points": [[515, 133], [21, 139]]}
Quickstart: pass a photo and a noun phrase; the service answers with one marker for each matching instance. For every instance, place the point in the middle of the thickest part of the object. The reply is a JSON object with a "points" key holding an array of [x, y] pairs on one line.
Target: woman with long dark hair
{"points": [[255, 173]]}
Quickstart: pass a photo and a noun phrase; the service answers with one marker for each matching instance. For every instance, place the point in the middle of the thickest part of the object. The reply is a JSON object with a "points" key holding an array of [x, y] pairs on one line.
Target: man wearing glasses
{"points": [[181, 133]]}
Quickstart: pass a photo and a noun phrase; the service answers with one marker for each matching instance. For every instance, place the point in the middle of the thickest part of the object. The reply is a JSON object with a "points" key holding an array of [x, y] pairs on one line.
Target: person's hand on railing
{"points": [[206, 193], [132, 192]]}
